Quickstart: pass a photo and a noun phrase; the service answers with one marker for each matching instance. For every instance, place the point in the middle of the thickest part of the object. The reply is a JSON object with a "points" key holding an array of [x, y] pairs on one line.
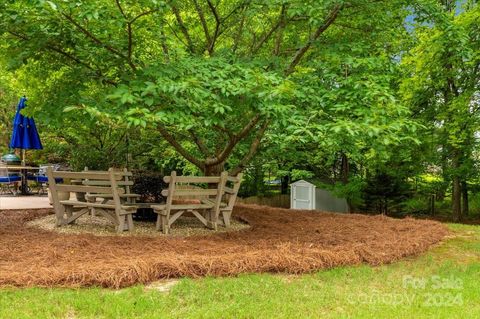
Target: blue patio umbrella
{"points": [[25, 135]]}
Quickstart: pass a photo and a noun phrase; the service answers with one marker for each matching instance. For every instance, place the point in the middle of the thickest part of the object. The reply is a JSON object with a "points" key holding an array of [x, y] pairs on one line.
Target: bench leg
{"points": [[212, 225], [226, 218], [165, 225], [159, 222], [69, 211], [207, 214], [211, 221], [60, 216], [162, 222], [130, 222], [121, 224], [59, 221], [93, 212]]}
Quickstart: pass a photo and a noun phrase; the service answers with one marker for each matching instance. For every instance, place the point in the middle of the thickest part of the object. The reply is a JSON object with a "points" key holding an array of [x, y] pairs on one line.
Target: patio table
{"points": [[23, 170]]}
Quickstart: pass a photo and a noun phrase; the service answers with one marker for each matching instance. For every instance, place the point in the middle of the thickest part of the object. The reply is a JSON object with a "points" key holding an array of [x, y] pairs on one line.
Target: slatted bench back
{"points": [[124, 179], [232, 186], [109, 178], [188, 187]]}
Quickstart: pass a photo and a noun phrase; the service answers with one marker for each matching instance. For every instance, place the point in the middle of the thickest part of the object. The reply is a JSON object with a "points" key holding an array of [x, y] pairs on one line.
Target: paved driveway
{"points": [[23, 202]]}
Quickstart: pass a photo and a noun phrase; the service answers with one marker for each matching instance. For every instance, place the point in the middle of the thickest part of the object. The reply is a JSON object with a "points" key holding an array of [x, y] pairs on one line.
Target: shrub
{"points": [[416, 205], [149, 186]]}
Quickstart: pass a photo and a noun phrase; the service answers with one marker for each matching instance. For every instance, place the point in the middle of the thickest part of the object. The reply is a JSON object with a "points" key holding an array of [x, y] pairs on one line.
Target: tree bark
{"points": [[284, 186], [345, 168], [345, 174], [214, 170], [465, 208], [456, 189], [301, 51], [456, 204], [432, 204], [253, 149]]}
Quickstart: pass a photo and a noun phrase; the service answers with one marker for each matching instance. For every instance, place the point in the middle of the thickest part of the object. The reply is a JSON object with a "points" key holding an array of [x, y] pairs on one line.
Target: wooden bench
{"points": [[127, 197], [206, 210], [230, 189], [218, 198], [67, 211]]}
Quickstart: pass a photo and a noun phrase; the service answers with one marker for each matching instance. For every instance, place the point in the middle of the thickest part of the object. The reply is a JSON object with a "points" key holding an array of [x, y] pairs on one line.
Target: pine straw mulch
{"points": [[279, 240]]}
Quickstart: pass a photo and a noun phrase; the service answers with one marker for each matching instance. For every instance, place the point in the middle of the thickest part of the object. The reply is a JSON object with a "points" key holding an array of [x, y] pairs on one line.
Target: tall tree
{"points": [[209, 76], [442, 86]]}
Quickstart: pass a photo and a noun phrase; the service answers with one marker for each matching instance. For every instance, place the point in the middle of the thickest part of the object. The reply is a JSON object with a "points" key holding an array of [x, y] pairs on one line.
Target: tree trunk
{"points": [[432, 204], [442, 190], [214, 170], [465, 208], [345, 168], [456, 188], [345, 175], [440, 194], [456, 199], [284, 185]]}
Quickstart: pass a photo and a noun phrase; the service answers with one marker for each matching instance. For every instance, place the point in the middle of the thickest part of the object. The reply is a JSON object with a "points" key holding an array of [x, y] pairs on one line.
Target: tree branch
{"points": [[267, 35], [143, 14], [97, 41], [201, 146], [238, 35], [184, 29], [281, 28], [234, 141], [69, 56], [247, 128], [130, 22], [121, 9], [175, 34], [240, 6], [129, 32], [130, 44], [180, 149], [201, 16], [217, 26], [253, 149], [301, 52], [223, 130], [243, 5], [163, 41]]}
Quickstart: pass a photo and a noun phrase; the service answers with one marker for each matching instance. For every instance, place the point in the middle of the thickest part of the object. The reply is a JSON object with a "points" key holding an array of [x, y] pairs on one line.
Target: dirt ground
{"points": [[100, 226], [279, 240]]}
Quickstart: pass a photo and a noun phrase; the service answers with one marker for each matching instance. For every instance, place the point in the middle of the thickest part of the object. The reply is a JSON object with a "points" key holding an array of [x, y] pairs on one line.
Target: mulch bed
{"points": [[279, 240]]}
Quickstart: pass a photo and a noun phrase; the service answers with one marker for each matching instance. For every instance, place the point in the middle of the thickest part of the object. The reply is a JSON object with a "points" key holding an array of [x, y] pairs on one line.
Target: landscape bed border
{"points": [[278, 241]]}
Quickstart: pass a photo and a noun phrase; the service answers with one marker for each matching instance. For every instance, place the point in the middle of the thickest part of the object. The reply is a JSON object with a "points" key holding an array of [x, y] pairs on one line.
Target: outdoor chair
{"points": [[8, 181], [41, 177]]}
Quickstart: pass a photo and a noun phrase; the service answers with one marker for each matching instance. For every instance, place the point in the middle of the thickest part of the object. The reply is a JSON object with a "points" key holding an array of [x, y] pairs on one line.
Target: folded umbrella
{"points": [[25, 135]]}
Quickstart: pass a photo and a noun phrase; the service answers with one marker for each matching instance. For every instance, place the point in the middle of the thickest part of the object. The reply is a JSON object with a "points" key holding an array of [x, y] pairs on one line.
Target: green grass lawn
{"points": [[444, 283]]}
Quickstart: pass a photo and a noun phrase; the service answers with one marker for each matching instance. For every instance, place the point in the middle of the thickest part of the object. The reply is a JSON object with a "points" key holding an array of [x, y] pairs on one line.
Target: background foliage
{"points": [[375, 100]]}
